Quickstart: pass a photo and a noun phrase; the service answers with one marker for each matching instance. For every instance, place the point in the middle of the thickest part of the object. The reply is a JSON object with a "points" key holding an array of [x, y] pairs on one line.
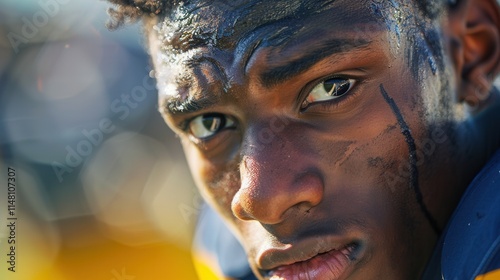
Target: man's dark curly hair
{"points": [[134, 10]]}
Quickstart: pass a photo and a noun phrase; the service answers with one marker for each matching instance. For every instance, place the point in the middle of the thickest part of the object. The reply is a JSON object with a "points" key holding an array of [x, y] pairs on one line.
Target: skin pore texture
{"points": [[332, 136]]}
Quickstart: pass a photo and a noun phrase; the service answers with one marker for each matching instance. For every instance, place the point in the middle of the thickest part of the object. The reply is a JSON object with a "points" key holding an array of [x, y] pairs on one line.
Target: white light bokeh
{"points": [[134, 186]]}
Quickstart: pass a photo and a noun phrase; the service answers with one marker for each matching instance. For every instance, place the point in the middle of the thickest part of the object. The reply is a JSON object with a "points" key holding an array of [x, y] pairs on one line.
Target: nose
{"points": [[277, 182]]}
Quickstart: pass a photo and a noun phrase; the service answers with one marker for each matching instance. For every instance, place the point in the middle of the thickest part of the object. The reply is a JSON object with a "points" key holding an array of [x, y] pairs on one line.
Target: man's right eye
{"points": [[207, 125]]}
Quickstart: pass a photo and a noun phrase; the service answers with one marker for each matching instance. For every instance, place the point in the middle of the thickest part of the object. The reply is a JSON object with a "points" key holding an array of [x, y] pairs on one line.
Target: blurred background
{"points": [[103, 189]]}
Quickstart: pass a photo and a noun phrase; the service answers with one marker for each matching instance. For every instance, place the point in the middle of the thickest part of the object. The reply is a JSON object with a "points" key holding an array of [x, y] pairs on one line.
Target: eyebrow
{"points": [[187, 104], [179, 106], [280, 74]]}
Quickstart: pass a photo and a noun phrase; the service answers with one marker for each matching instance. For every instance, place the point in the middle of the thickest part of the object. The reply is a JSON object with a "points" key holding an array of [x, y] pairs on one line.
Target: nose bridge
{"points": [[271, 132], [275, 176]]}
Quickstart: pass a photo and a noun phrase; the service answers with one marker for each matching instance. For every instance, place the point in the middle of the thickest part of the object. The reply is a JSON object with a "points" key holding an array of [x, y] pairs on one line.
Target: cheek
{"points": [[370, 179], [362, 183], [217, 182], [372, 188], [368, 150]]}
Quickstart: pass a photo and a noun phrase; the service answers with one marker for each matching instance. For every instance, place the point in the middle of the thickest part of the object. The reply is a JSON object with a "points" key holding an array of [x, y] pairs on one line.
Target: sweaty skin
{"points": [[312, 128]]}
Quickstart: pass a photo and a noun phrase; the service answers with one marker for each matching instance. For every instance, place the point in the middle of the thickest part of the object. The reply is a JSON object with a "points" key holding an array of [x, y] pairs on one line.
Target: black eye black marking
{"points": [[405, 130]]}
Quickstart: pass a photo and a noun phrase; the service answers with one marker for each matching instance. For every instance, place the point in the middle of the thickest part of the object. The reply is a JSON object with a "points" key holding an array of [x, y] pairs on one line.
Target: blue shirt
{"points": [[471, 243]]}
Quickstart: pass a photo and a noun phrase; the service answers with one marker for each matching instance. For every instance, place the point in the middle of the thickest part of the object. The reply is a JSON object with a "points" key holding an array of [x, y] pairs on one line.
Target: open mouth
{"points": [[331, 265]]}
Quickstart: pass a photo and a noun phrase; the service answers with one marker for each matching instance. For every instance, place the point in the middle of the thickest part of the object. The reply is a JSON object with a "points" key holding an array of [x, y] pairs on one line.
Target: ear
{"points": [[474, 31]]}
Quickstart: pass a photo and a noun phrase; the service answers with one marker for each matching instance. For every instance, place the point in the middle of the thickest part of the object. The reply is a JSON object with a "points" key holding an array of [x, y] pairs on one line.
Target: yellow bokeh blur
{"points": [[103, 190]]}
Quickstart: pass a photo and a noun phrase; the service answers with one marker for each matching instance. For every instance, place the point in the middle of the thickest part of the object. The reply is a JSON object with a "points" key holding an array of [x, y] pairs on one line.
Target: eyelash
{"points": [[184, 127], [184, 124], [333, 103]]}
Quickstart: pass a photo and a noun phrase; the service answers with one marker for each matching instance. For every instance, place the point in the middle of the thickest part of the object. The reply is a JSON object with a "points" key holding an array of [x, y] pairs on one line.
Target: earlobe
{"points": [[475, 48]]}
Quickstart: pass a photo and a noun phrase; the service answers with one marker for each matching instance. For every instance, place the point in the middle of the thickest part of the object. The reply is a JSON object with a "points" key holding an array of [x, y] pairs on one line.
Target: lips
{"points": [[330, 265], [312, 259]]}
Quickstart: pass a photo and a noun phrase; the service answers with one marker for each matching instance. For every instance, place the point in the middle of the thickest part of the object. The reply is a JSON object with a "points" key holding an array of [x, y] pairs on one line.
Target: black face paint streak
{"points": [[422, 33], [426, 47], [405, 130]]}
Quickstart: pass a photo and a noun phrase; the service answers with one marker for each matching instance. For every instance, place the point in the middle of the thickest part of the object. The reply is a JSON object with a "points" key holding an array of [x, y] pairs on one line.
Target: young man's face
{"points": [[314, 132]]}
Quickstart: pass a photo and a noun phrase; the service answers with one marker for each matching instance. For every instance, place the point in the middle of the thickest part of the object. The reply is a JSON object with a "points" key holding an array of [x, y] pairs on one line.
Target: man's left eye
{"points": [[328, 90]]}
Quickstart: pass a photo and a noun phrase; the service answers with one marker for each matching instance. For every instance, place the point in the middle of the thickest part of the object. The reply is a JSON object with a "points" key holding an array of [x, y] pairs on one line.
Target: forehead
{"points": [[229, 33], [225, 23]]}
